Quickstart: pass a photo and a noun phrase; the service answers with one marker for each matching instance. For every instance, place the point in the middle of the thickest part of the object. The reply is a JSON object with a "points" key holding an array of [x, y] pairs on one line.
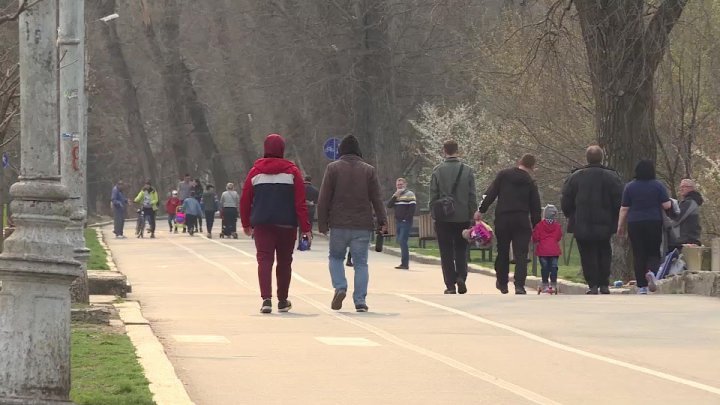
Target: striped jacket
{"points": [[274, 194], [404, 205]]}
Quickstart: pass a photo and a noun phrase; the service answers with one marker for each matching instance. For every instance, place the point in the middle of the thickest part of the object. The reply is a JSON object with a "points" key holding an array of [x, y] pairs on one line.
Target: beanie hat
{"points": [[349, 146], [274, 146], [550, 212]]}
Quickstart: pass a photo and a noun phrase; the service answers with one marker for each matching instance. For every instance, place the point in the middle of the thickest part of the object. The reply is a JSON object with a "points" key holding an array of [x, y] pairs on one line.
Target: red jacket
{"points": [[547, 236], [172, 204]]}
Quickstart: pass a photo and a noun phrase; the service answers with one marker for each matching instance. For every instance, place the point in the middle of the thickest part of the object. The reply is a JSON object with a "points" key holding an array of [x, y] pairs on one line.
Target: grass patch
{"points": [[98, 256], [570, 271], [105, 370]]}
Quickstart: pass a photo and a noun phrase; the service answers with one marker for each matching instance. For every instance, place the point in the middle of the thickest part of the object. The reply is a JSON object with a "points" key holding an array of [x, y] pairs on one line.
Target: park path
{"points": [[416, 345]]}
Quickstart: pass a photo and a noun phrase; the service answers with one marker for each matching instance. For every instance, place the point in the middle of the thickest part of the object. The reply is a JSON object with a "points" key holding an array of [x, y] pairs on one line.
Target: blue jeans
{"points": [[403, 234], [358, 241], [549, 268]]}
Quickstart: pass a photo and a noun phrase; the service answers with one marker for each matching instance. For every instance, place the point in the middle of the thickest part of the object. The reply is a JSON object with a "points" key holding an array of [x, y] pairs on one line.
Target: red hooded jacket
{"points": [[547, 236], [172, 204], [274, 191]]}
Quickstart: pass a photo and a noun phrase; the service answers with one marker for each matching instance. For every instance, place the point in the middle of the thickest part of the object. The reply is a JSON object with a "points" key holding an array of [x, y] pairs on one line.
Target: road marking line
{"points": [[224, 269], [570, 349], [228, 246], [469, 370], [200, 339], [347, 341]]}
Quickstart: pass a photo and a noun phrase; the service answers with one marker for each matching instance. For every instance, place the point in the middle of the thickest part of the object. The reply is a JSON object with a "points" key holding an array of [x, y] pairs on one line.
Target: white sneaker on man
{"points": [[651, 279]]}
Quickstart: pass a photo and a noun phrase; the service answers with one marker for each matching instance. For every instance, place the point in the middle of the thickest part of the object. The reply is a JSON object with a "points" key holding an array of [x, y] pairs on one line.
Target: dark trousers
{"points": [[209, 220], [229, 220], [274, 241], [149, 213], [512, 228], [171, 220], [118, 220], [645, 240], [190, 222], [595, 259], [453, 251]]}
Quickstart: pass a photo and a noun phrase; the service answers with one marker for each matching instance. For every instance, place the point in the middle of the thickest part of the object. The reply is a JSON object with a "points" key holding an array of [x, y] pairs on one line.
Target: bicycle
{"points": [[140, 225]]}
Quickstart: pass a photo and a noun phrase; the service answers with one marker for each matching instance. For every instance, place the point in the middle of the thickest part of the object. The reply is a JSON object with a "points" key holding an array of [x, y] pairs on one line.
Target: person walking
{"points": [[518, 197], [591, 201], [349, 194], [456, 180], [643, 202], [686, 228], [272, 207], [404, 204], [210, 206], [148, 200], [547, 234], [184, 187], [198, 193], [229, 202], [171, 208], [311, 199], [119, 204], [192, 210]]}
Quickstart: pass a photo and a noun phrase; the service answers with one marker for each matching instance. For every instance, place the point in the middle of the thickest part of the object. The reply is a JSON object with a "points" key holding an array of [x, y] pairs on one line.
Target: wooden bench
{"points": [[483, 252], [426, 229]]}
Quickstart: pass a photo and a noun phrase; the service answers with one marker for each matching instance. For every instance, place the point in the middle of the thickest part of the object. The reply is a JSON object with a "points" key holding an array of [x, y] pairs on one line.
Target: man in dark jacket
{"points": [[403, 203], [453, 247], [518, 198], [272, 206], [591, 200], [689, 218], [349, 195]]}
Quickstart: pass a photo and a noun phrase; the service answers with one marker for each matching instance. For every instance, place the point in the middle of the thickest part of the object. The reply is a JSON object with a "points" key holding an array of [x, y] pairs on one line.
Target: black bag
{"points": [[379, 239], [444, 208]]}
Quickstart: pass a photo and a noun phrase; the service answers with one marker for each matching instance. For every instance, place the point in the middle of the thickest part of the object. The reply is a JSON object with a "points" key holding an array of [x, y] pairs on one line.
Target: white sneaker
{"points": [[651, 279], [642, 290]]}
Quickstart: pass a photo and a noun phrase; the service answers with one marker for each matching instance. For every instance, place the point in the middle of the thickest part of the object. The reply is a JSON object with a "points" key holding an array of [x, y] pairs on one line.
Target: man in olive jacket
{"points": [[453, 247], [349, 194], [591, 200]]}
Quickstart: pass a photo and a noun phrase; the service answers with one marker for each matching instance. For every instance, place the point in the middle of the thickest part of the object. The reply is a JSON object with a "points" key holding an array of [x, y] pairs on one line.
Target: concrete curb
{"points": [[166, 387], [108, 252], [531, 283]]}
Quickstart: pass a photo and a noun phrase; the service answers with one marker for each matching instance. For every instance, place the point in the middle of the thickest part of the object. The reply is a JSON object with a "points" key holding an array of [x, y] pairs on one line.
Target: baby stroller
{"points": [[179, 219], [225, 231]]}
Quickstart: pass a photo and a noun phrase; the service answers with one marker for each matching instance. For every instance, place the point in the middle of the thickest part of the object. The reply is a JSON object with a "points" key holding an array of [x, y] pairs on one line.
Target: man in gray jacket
{"points": [[448, 175]]}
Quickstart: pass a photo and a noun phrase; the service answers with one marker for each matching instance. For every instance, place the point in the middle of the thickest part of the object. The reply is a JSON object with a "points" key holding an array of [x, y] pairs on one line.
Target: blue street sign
{"points": [[5, 160], [331, 148]]}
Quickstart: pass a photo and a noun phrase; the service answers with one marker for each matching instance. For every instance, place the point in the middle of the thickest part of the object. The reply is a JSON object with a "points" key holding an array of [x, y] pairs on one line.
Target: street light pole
{"points": [[37, 267], [73, 134]]}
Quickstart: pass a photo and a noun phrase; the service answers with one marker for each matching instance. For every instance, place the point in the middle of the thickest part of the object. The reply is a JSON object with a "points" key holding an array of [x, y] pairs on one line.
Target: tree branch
{"points": [[14, 16], [657, 33]]}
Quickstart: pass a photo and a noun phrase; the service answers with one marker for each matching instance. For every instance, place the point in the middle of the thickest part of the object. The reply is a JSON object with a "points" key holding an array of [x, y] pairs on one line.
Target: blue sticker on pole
{"points": [[5, 160], [331, 148]]}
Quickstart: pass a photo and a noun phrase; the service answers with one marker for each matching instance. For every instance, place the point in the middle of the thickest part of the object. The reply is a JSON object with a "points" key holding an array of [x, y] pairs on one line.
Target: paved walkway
{"points": [[416, 345]]}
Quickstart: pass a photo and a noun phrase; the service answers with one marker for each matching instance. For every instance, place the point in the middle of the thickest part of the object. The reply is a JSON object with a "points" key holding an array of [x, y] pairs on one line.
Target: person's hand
{"points": [[247, 231], [477, 217], [397, 194], [621, 232], [383, 229]]}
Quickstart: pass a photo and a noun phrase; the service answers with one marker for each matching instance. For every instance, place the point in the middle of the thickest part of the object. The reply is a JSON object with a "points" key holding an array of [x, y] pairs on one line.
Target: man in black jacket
{"points": [[688, 221], [591, 200], [518, 198]]}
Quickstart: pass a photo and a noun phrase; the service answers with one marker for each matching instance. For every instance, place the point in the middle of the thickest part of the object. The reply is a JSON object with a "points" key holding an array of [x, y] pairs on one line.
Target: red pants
{"points": [[269, 241]]}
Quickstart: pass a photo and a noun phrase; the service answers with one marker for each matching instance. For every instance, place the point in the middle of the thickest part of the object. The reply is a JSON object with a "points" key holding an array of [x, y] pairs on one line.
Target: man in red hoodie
{"points": [[272, 207]]}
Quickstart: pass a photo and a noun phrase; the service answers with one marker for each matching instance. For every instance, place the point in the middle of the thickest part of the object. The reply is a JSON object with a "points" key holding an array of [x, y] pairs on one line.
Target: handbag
{"points": [[444, 208]]}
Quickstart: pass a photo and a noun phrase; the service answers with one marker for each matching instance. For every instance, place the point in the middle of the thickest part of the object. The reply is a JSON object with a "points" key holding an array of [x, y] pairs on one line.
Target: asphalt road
{"points": [[416, 345]]}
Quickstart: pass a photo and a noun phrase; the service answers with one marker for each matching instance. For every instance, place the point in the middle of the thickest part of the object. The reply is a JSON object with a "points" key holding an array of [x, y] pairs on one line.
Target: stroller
{"points": [[225, 231], [179, 219]]}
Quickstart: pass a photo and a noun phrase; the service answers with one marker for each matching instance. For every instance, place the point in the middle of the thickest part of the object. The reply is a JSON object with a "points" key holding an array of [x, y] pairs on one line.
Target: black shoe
{"points": [[449, 291], [266, 307], [152, 235], [503, 288], [520, 291], [462, 288], [349, 263], [361, 308], [402, 267], [284, 305], [234, 235], [338, 298], [604, 289], [592, 291]]}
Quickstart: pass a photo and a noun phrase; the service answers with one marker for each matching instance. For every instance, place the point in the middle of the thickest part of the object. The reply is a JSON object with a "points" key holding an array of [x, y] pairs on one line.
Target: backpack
{"points": [[444, 208]]}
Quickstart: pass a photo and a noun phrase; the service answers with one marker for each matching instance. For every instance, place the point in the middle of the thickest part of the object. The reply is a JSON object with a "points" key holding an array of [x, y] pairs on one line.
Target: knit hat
{"points": [[551, 212], [349, 146], [274, 146]]}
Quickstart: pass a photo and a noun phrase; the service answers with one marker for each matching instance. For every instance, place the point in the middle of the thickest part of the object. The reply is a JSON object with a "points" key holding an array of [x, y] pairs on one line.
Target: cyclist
{"points": [[148, 200]]}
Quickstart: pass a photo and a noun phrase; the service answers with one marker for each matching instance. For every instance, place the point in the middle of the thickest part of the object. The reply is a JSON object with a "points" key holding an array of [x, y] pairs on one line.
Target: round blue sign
{"points": [[331, 148]]}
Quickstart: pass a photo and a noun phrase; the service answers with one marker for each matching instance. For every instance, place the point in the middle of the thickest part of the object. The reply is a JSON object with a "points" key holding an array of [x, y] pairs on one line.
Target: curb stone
{"points": [[531, 283]]}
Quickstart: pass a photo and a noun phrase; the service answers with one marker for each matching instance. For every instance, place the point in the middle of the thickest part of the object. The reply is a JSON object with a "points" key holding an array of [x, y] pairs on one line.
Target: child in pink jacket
{"points": [[547, 235]]}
